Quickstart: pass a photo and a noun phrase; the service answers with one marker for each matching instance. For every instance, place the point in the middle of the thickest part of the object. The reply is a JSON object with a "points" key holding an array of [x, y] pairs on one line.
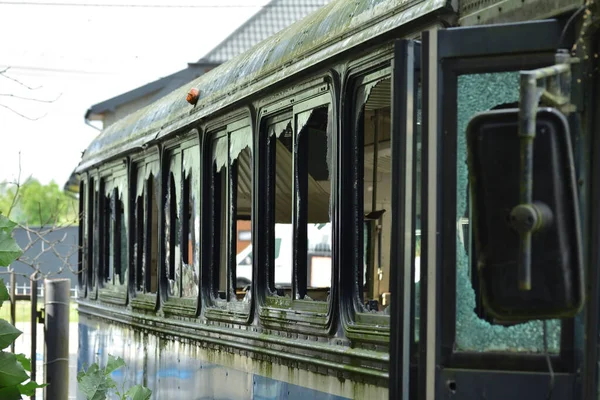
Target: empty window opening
{"points": [[190, 223], [145, 225], [91, 236], [113, 258], [374, 170], [81, 266], [172, 226], [299, 194], [231, 205]]}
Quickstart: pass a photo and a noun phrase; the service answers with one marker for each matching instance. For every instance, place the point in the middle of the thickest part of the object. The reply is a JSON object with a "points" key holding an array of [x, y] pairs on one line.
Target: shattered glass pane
{"points": [[477, 93]]}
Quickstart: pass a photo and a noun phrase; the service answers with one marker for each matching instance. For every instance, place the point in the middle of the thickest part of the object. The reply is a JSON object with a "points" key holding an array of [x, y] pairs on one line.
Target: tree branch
{"points": [[30, 98], [21, 115], [3, 74], [18, 184]]}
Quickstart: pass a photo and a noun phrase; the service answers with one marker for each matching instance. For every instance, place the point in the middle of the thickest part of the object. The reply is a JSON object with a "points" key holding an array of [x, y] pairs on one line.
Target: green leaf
{"points": [[25, 362], [29, 388], [11, 371], [10, 393], [93, 369], [8, 334], [9, 250], [94, 384], [3, 292], [6, 224], [113, 364], [139, 392]]}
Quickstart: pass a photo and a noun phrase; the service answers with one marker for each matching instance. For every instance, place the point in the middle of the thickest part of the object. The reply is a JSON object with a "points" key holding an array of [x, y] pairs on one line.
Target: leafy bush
{"points": [[97, 384], [14, 368]]}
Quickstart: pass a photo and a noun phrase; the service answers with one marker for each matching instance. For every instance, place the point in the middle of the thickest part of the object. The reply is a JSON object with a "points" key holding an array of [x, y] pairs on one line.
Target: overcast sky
{"points": [[82, 52]]}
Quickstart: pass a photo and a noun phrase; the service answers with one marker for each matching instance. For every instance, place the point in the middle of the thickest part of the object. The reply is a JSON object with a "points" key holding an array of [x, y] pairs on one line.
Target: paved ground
{"points": [[23, 345]]}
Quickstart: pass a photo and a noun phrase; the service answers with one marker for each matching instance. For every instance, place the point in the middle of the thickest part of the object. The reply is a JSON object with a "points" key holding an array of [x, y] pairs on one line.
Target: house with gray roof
{"points": [[271, 18]]}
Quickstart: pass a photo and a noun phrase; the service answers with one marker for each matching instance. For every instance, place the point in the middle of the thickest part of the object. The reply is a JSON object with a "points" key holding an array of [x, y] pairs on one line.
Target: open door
{"points": [[464, 351]]}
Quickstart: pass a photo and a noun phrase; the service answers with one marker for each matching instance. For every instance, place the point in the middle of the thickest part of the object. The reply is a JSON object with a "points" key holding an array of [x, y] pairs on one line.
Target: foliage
{"points": [[13, 367], [96, 383], [34, 204]]}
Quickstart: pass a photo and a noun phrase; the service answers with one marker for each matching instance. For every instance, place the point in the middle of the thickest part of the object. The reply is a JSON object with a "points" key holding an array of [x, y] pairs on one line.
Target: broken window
{"points": [[190, 266], [373, 171], [113, 233], [299, 171], [181, 223], [145, 225], [91, 236], [81, 267], [280, 199], [230, 194], [377, 207], [475, 331], [172, 226]]}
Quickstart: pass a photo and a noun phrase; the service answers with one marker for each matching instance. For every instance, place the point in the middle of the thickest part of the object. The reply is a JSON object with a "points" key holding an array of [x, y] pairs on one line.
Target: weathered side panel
{"points": [[177, 369]]}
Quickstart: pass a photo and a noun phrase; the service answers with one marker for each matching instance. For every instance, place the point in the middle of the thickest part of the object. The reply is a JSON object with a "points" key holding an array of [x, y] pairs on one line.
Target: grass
{"points": [[23, 311]]}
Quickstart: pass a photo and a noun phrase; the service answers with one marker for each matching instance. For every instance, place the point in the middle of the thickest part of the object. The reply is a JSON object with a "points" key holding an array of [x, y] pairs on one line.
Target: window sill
{"points": [[92, 293], [144, 301], [298, 315], [228, 311], [115, 294], [186, 307], [369, 327]]}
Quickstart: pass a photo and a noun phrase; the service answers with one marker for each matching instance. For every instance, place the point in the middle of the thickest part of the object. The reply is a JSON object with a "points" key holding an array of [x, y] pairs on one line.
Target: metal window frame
{"points": [[175, 304], [226, 311], [308, 317], [144, 299]]}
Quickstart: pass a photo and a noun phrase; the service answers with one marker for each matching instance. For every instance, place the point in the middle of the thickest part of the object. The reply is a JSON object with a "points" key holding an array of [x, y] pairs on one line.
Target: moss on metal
{"points": [[338, 26]]}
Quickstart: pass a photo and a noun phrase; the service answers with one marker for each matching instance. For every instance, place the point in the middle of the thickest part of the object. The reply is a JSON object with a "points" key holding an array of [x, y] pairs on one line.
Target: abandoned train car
{"points": [[305, 228]]}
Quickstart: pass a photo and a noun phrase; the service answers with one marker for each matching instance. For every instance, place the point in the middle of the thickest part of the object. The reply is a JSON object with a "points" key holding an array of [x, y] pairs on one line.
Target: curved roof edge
{"points": [[336, 27]]}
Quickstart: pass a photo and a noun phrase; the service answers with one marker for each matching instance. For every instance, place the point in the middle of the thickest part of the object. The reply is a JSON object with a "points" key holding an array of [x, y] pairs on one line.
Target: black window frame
{"points": [[377, 324], [307, 316], [447, 55], [81, 230], [115, 176], [216, 308], [173, 158], [92, 237], [145, 165], [359, 324]]}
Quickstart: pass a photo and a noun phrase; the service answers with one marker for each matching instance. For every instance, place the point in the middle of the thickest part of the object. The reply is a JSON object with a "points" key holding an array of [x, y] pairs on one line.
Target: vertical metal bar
{"points": [[56, 338], [375, 118], [232, 224], [403, 198], [375, 230], [429, 295], [13, 303], [34, 300], [527, 122]]}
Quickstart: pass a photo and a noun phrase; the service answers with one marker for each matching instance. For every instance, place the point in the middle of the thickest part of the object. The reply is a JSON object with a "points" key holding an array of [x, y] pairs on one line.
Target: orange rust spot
{"points": [[192, 96]]}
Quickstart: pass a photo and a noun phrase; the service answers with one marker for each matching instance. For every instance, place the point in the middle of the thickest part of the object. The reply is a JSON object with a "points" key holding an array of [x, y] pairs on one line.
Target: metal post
{"points": [[34, 300], [56, 338], [13, 302]]}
